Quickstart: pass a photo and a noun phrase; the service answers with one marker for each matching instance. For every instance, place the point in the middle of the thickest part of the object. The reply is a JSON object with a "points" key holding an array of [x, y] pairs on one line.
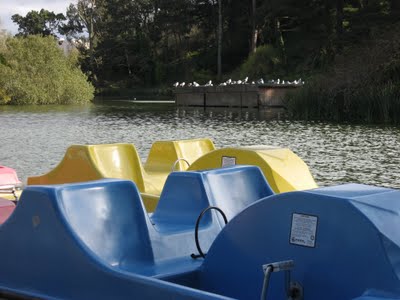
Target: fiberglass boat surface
{"points": [[95, 240]]}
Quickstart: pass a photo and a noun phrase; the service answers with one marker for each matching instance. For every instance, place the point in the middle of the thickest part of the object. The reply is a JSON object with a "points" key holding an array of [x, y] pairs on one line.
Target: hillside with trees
{"points": [[153, 42], [338, 47]]}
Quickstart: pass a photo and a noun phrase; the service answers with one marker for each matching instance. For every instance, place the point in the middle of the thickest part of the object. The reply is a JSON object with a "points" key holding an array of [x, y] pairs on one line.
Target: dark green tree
{"points": [[82, 26], [41, 22]]}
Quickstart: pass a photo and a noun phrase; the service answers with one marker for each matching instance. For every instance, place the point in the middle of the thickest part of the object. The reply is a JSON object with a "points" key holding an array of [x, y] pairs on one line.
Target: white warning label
{"points": [[228, 161], [303, 230]]}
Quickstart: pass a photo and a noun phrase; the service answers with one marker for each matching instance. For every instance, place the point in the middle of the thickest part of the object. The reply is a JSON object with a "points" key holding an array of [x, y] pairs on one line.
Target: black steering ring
{"points": [[196, 230]]}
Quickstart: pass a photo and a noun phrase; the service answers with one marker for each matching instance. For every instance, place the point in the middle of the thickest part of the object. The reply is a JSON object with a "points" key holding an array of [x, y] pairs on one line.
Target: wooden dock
{"points": [[243, 95]]}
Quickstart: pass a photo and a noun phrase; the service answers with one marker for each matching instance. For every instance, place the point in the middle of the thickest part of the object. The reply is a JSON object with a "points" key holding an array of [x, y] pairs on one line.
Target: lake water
{"points": [[34, 139]]}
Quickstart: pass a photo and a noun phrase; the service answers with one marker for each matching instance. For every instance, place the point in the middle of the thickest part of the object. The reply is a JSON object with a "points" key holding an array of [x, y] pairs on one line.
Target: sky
{"points": [[22, 7]]}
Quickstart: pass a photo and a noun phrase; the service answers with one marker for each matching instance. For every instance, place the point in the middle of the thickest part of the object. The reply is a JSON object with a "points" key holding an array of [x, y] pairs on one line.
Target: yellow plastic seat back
{"points": [[118, 161], [91, 162], [283, 169], [164, 154]]}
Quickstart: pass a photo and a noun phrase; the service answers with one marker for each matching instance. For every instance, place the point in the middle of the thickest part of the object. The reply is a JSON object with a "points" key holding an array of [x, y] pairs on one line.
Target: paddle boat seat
{"points": [[93, 162], [111, 222], [178, 155], [85, 241], [108, 219], [187, 194], [284, 170]]}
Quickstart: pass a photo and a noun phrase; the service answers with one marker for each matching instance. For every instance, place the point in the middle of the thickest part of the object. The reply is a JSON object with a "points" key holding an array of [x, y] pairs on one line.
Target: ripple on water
{"points": [[34, 139]]}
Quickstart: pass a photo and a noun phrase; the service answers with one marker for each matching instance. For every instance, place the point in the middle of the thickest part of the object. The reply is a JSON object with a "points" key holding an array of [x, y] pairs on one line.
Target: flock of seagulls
{"points": [[244, 81]]}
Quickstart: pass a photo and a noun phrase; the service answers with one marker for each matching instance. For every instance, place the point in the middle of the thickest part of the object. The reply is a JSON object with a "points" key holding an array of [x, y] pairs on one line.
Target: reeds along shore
{"points": [[370, 104]]}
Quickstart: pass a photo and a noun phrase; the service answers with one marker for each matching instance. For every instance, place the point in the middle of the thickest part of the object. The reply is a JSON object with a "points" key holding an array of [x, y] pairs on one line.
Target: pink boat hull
{"points": [[6, 209], [8, 176]]}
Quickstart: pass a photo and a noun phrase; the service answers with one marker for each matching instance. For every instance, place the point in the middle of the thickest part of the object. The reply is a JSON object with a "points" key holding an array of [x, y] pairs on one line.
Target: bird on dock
{"points": [[222, 83], [278, 81], [260, 81], [209, 83], [299, 81], [182, 84], [246, 79], [195, 84], [229, 81], [253, 83], [176, 84]]}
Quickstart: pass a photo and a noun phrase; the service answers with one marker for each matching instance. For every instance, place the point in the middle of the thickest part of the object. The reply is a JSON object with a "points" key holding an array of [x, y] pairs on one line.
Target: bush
{"points": [[263, 63], [33, 70]]}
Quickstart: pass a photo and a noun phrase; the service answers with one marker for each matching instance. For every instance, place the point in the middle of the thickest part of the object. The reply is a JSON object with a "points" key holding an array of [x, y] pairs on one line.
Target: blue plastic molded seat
{"points": [[187, 194], [234, 188], [110, 219], [182, 199]]}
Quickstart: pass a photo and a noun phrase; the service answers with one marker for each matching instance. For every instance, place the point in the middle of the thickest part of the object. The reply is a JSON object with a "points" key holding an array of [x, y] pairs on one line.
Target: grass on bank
{"points": [[363, 85], [373, 104]]}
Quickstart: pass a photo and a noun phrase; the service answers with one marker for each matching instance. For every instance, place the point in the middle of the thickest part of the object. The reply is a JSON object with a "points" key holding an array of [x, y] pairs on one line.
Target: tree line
{"points": [[155, 42], [348, 51]]}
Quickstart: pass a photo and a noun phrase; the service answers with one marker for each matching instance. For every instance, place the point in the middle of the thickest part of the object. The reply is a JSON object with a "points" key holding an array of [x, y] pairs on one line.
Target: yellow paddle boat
{"points": [[283, 169], [91, 162]]}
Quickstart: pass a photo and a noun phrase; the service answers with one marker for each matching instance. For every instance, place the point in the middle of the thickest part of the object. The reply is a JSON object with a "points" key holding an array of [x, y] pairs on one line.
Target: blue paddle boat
{"points": [[94, 240]]}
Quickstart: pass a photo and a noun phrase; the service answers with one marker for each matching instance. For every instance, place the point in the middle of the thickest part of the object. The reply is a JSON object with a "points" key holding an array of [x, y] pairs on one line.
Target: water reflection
{"points": [[34, 139]]}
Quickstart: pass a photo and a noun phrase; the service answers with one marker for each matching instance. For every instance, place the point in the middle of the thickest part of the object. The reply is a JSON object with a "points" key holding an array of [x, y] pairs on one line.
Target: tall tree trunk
{"points": [[254, 31], [91, 41], [330, 29], [128, 64], [219, 54], [339, 23], [86, 12], [281, 40]]}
